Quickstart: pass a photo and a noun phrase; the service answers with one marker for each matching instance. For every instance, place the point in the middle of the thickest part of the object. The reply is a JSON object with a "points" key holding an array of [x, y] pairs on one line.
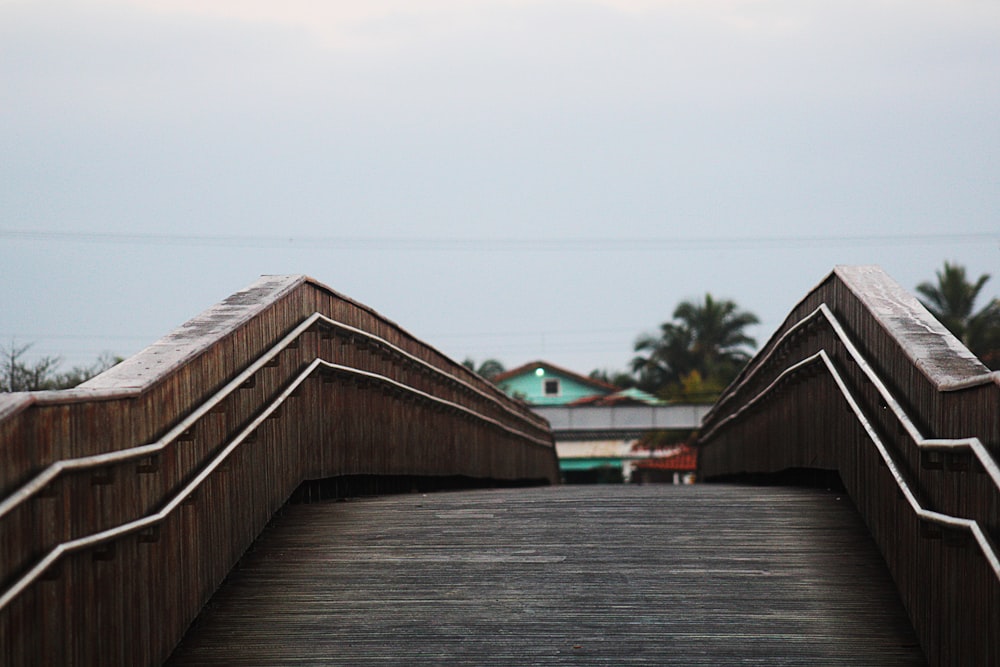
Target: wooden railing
{"points": [[125, 502], [862, 380]]}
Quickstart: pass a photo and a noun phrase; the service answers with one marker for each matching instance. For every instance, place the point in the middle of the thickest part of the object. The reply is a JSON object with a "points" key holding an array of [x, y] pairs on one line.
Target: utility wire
{"points": [[482, 244]]}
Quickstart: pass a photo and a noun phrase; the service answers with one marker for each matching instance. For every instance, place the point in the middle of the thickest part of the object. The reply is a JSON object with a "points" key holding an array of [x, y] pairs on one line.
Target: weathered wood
{"points": [[599, 575], [219, 455], [860, 362]]}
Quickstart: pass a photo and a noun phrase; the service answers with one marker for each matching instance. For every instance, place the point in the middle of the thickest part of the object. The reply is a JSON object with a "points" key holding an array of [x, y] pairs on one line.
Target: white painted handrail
{"points": [[110, 534], [51, 472], [972, 444]]}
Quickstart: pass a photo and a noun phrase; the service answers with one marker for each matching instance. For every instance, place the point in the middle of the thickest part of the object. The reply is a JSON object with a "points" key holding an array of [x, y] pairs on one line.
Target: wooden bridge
{"points": [[575, 575], [127, 502]]}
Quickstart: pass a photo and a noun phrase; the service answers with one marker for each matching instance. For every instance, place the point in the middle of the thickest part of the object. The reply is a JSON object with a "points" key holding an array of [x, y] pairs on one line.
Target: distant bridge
{"points": [[126, 502], [621, 420]]}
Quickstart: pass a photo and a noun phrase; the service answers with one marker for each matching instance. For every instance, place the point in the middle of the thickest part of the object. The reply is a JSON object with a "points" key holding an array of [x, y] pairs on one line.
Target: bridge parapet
{"points": [[126, 501], [862, 380]]}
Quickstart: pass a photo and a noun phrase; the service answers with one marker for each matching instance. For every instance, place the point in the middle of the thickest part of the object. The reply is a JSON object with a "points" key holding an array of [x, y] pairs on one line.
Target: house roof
{"points": [[530, 368], [683, 459], [631, 396]]}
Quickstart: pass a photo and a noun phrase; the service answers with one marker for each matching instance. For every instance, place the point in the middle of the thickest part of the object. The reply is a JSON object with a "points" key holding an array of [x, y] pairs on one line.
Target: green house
{"points": [[543, 383], [596, 425]]}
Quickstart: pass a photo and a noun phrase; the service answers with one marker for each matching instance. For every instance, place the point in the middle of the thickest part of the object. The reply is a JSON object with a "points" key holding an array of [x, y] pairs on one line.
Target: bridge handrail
{"points": [[861, 379], [974, 444], [975, 374], [90, 501], [985, 545], [52, 471], [109, 534]]}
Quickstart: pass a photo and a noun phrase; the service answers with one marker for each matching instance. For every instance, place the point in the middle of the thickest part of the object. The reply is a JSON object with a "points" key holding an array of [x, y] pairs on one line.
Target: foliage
{"points": [[700, 351], [489, 369], [952, 300], [693, 388], [17, 374], [620, 379]]}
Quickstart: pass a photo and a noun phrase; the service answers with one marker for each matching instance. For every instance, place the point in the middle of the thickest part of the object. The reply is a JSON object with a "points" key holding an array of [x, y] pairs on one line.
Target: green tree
{"points": [[952, 299], [489, 369], [693, 388], [620, 379], [706, 338]]}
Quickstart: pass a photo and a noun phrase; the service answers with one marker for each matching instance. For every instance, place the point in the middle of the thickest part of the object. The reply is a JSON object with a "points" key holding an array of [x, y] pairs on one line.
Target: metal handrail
{"points": [[107, 535], [53, 470], [973, 444]]}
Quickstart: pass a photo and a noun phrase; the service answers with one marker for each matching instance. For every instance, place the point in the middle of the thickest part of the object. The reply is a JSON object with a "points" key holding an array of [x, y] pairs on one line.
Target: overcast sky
{"points": [[517, 179]]}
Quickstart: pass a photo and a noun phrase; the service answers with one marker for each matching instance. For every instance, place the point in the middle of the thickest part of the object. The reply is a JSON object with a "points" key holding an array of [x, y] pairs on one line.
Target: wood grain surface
{"points": [[598, 575]]}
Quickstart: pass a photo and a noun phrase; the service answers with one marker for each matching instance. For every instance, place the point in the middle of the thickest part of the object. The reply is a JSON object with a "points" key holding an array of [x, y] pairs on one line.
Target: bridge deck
{"points": [[612, 575]]}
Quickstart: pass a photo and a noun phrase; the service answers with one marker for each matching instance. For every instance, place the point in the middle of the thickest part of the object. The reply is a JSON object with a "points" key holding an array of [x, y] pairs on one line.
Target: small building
{"points": [[598, 427], [542, 383]]}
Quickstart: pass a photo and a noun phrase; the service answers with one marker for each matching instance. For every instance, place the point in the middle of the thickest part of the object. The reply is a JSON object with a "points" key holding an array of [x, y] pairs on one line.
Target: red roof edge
{"points": [[685, 459]]}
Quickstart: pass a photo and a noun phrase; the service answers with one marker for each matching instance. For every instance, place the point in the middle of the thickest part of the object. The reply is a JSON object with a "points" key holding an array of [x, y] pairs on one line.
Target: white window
{"points": [[550, 387]]}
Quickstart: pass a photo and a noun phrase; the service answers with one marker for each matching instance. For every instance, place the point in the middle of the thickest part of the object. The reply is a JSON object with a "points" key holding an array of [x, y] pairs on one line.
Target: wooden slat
{"points": [[125, 598], [896, 379], [656, 575]]}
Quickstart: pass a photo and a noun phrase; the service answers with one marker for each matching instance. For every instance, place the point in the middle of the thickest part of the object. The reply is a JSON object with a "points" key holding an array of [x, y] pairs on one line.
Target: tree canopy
{"points": [[952, 299], [621, 379], [701, 350]]}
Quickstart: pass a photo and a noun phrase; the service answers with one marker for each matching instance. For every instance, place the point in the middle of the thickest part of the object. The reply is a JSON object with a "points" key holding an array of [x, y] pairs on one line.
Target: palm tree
{"points": [[666, 358], [705, 337], [719, 345], [952, 300]]}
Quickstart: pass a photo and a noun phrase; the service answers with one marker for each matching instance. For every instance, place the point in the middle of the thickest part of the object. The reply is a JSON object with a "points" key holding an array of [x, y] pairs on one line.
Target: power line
{"points": [[506, 335], [484, 244], [78, 336]]}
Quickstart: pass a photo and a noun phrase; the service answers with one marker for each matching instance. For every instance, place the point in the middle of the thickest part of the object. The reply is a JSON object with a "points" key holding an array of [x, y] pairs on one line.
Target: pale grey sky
{"points": [[506, 178]]}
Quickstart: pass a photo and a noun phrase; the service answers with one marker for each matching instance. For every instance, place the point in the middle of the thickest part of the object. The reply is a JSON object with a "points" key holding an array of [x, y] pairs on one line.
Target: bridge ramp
{"points": [[608, 575]]}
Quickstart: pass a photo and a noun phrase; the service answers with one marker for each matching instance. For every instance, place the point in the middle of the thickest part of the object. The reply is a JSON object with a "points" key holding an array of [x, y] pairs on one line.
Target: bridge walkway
{"points": [[596, 575]]}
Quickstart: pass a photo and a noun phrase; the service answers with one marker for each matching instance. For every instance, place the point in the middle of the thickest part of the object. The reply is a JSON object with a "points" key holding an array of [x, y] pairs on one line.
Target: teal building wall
{"points": [[529, 386]]}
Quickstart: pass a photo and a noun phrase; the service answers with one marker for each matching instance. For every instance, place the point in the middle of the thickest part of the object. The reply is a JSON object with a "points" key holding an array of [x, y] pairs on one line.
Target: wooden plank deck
{"points": [[596, 575]]}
